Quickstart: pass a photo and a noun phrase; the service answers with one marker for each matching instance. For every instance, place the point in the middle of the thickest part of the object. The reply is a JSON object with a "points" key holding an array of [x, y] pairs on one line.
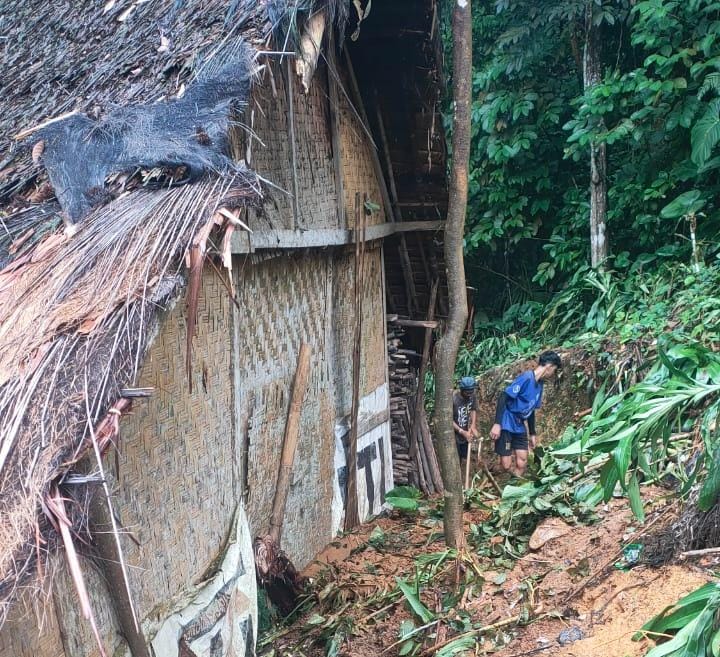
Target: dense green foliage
{"points": [[657, 108]]}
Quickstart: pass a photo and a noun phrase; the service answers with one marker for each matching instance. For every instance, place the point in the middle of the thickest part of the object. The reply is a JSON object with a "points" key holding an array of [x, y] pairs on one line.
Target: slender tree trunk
{"points": [[448, 345], [598, 154]]}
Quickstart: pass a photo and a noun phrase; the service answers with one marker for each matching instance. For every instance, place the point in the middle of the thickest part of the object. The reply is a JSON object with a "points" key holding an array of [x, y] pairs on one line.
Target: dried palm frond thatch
{"points": [[76, 317]]}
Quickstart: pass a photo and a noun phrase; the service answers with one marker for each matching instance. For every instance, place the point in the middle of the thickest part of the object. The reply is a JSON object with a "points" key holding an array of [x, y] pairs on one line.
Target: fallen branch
{"points": [[492, 479], [410, 634], [588, 470], [699, 553], [513, 620], [534, 651]]}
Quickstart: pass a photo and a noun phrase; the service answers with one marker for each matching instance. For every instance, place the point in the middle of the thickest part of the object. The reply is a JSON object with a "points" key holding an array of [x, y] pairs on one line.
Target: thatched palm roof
{"points": [[79, 308]]}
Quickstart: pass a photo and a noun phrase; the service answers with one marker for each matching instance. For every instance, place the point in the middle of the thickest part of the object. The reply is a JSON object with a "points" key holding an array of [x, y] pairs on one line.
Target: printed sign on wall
{"points": [[221, 618], [374, 459]]}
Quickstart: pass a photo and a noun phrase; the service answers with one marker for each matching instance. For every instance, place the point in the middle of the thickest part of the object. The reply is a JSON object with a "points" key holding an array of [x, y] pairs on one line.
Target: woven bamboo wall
{"points": [[283, 302], [357, 167], [270, 152]]}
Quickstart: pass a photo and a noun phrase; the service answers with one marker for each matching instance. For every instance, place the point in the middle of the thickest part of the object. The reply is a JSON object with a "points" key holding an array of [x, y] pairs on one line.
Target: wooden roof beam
{"points": [[244, 242]]}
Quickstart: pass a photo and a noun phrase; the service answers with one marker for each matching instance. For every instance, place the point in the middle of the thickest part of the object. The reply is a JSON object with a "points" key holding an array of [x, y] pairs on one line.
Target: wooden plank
{"points": [[416, 323], [243, 242], [292, 429], [367, 423]]}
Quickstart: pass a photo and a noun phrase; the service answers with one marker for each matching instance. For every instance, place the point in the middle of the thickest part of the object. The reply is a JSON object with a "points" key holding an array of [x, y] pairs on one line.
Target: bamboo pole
{"points": [[293, 146], [334, 102], [290, 441], [352, 516]]}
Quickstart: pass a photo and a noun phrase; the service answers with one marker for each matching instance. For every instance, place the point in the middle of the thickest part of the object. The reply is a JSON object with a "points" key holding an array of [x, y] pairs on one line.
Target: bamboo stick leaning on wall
{"points": [[275, 572]]}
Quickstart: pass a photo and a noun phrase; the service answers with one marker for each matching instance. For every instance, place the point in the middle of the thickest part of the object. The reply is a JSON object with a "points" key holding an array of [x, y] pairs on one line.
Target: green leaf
{"points": [[710, 489], [316, 619], [715, 645], [404, 498], [420, 610], [402, 503], [407, 627], [455, 647], [683, 611], [686, 203], [705, 134], [405, 491], [635, 500]]}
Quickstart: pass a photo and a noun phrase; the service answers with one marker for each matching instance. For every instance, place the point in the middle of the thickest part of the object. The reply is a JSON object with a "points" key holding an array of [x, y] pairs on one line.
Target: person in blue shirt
{"points": [[515, 414]]}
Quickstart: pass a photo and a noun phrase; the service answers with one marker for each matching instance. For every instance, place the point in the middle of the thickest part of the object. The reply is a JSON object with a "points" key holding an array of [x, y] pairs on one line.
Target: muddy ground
{"points": [[553, 581]]}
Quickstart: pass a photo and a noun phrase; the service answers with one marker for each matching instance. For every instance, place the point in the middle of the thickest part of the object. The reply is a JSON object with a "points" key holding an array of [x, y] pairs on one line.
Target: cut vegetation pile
{"points": [[571, 561]]}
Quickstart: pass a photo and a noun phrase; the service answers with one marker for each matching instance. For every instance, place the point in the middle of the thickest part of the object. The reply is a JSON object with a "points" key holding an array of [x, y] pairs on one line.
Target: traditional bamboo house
{"points": [[189, 192]]}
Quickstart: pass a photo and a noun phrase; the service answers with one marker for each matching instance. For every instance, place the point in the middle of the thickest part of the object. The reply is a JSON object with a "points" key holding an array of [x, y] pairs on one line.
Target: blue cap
{"points": [[467, 383]]}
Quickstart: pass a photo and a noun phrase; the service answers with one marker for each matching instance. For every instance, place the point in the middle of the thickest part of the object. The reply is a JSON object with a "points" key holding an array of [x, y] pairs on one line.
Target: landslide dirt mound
{"points": [[355, 574]]}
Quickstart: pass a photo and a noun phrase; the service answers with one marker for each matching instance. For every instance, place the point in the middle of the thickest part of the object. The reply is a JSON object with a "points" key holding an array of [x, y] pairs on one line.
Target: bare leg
{"points": [[521, 459], [507, 463]]}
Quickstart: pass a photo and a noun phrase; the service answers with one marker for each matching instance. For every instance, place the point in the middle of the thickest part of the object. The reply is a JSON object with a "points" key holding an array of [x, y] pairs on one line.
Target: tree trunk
{"points": [[598, 154], [448, 345]]}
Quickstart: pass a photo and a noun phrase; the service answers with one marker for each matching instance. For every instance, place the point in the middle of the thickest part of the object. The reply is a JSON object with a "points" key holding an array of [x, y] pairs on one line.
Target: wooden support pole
{"points": [[293, 146], [290, 441], [352, 515], [334, 101], [389, 208]]}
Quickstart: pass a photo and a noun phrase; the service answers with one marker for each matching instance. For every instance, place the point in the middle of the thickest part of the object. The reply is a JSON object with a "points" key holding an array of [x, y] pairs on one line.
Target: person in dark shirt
{"points": [[515, 414], [465, 407]]}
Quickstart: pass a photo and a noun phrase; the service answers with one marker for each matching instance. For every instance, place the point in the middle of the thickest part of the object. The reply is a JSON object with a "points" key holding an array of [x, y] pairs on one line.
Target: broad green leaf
{"points": [[402, 503], [710, 489], [633, 492], [715, 644], [683, 611], [705, 134], [420, 610], [456, 647], [608, 479], [405, 491], [622, 455]]}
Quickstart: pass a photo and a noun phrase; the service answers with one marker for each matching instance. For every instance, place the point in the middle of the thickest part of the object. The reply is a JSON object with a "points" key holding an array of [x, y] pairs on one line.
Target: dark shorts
{"points": [[462, 446], [509, 442]]}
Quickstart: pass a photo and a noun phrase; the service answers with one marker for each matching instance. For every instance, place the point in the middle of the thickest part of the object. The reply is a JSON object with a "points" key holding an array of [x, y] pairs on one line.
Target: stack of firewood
{"points": [[414, 458], [403, 384]]}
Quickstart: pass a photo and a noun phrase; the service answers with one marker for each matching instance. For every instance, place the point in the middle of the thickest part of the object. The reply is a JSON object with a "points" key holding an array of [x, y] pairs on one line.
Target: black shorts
{"points": [[509, 442], [462, 447]]}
